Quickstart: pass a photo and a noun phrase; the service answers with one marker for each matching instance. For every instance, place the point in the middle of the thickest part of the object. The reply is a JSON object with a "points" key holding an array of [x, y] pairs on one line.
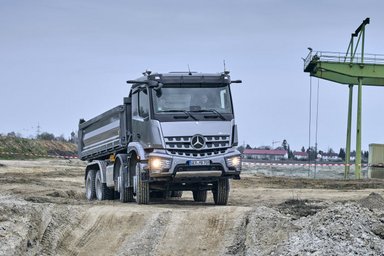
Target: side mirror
{"points": [[159, 86], [154, 84]]}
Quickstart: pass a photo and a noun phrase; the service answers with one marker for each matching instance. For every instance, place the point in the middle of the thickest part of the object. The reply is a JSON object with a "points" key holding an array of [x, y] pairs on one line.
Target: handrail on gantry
{"points": [[342, 57]]}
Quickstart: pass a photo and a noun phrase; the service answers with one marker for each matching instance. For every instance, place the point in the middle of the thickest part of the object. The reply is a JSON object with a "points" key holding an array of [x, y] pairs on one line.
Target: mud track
{"points": [[43, 212]]}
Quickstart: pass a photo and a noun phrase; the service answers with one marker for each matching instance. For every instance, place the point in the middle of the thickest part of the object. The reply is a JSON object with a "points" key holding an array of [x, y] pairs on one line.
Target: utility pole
{"points": [[38, 130]]}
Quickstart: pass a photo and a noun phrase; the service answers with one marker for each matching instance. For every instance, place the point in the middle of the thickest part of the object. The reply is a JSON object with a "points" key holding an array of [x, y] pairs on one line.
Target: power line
{"points": [[309, 124]]}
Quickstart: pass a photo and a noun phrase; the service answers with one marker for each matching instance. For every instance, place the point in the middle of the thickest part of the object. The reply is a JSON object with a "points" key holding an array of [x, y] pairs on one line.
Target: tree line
{"points": [[47, 136]]}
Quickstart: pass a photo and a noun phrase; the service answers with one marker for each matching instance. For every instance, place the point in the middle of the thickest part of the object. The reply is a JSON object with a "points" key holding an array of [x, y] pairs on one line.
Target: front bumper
{"points": [[181, 167]]}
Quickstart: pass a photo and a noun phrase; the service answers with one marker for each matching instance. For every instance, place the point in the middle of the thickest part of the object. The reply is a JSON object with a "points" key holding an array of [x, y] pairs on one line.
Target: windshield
{"points": [[169, 99]]}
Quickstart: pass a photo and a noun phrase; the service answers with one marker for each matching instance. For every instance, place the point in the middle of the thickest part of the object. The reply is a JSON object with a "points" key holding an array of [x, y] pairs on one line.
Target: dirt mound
{"points": [[298, 208], [22, 148], [34, 229], [373, 201], [342, 229], [266, 229]]}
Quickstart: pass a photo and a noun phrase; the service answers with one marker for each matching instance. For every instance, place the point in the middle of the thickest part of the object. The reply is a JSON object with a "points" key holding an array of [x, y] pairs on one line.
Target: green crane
{"points": [[350, 68]]}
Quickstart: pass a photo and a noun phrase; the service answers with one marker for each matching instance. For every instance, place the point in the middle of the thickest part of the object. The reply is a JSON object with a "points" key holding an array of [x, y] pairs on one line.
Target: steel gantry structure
{"points": [[350, 68]]}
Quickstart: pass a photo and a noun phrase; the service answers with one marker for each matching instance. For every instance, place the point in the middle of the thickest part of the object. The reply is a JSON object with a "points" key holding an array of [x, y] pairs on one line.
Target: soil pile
{"points": [[22, 148], [341, 229], [373, 201]]}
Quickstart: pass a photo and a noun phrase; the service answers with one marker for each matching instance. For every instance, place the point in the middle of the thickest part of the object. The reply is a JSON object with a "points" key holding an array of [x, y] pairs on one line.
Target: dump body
{"points": [[105, 134]]}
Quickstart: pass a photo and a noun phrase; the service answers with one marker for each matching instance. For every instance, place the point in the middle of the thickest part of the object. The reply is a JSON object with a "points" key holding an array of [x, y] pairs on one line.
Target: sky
{"points": [[65, 60]]}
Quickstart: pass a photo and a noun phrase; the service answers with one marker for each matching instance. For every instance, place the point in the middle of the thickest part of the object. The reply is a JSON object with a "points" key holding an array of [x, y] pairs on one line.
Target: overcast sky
{"points": [[65, 60]]}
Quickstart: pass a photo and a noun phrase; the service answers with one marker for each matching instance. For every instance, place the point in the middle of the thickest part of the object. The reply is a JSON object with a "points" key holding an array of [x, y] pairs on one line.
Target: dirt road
{"points": [[43, 212]]}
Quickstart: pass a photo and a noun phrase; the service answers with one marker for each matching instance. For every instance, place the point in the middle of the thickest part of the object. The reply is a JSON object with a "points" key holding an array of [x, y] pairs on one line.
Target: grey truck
{"points": [[174, 132]]}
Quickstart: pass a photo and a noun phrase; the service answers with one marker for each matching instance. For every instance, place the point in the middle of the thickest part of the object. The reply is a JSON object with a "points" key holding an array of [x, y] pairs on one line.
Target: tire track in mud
{"points": [[150, 230], [103, 230], [59, 222], [202, 231], [150, 235], [237, 245]]}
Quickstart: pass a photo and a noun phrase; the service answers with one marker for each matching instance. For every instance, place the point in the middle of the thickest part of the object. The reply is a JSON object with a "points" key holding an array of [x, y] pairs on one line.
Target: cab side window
{"points": [[143, 103], [135, 104]]}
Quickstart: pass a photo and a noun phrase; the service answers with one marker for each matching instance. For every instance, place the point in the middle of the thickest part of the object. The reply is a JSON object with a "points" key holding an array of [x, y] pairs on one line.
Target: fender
{"points": [[97, 165], [138, 149], [123, 160]]}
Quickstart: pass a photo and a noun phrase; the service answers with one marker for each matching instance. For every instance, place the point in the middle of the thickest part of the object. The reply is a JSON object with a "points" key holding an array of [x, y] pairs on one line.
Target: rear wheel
{"points": [[90, 191], [177, 194], [220, 192], [142, 187], [102, 191], [200, 195]]}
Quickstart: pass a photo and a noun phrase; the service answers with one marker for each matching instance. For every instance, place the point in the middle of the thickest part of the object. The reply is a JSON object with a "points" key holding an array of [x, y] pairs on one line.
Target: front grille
{"points": [[181, 146]]}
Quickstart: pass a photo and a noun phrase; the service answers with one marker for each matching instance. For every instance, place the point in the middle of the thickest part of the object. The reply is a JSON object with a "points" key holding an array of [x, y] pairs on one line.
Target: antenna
{"points": [[225, 68], [147, 72], [189, 70]]}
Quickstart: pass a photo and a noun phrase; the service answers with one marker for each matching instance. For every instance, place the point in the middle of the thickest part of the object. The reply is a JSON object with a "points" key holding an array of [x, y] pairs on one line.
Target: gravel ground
{"points": [[43, 212]]}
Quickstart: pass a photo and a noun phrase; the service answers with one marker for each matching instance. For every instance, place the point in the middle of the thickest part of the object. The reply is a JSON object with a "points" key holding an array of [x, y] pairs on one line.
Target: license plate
{"points": [[198, 162]]}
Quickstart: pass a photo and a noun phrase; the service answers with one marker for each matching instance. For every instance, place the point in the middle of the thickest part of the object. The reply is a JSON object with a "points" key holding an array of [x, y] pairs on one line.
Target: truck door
{"points": [[140, 116]]}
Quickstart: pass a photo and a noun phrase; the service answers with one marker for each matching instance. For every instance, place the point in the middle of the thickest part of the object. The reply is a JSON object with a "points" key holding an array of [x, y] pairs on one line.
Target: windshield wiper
{"points": [[178, 110], [211, 110]]}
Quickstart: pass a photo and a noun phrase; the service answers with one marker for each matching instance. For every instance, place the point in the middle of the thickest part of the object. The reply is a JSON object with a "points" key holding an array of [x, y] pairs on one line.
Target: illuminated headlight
{"points": [[233, 162], [159, 164]]}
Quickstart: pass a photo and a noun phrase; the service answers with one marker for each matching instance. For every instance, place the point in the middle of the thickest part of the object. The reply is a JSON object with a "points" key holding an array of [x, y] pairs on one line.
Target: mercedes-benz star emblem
{"points": [[198, 142]]}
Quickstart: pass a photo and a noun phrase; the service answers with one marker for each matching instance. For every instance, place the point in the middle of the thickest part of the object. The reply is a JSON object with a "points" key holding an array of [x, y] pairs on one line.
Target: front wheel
{"points": [[142, 187], [125, 193], [200, 195], [221, 191]]}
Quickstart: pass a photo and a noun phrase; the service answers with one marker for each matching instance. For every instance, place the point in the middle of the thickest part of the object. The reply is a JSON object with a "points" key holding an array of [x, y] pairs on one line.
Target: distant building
{"points": [[264, 154], [300, 155], [330, 157]]}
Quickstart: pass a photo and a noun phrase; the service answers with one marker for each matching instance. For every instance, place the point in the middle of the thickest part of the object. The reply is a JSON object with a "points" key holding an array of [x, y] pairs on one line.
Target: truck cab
{"points": [[176, 133]]}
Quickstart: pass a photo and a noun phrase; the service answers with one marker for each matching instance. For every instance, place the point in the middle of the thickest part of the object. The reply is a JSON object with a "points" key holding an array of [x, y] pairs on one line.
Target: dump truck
{"points": [[174, 132]]}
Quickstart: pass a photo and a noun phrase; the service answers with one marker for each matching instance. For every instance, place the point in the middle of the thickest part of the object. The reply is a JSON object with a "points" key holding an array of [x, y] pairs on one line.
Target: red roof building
{"points": [[264, 154], [300, 155]]}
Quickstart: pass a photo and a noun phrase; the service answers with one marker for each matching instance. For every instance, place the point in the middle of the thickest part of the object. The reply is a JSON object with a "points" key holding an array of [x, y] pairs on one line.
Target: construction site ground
{"points": [[43, 211]]}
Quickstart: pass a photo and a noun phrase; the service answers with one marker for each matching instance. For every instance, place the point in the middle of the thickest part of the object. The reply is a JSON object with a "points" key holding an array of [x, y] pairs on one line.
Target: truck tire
{"points": [[102, 191], [177, 194], [220, 192], [90, 191], [142, 190], [126, 194], [200, 195]]}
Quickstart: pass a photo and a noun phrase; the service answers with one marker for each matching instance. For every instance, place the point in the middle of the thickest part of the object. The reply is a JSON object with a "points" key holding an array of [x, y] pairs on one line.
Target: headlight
{"points": [[159, 164], [233, 162]]}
